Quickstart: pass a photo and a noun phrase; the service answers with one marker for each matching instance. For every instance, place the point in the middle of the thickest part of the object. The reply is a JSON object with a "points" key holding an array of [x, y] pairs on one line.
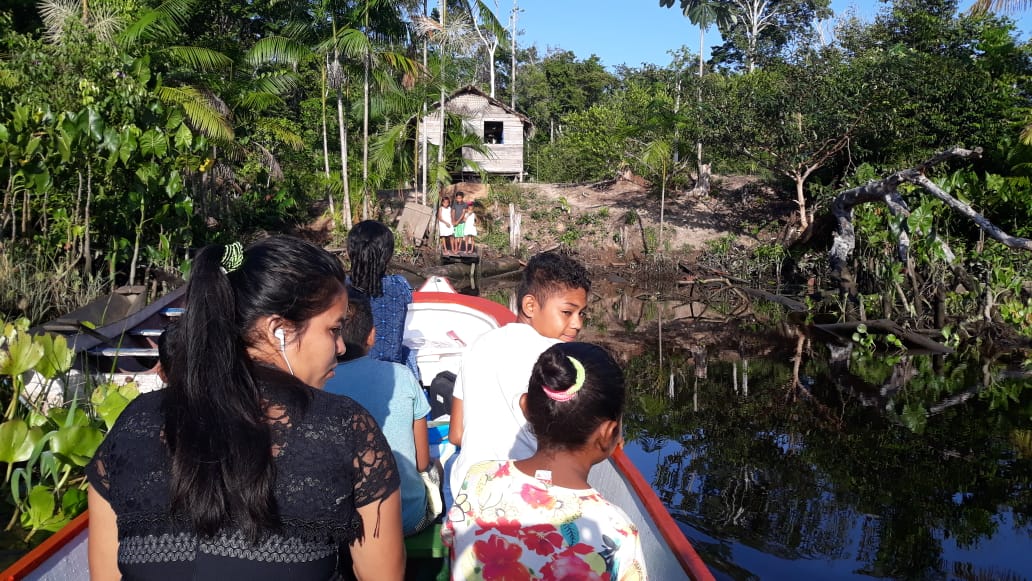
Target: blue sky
{"points": [[638, 31]]}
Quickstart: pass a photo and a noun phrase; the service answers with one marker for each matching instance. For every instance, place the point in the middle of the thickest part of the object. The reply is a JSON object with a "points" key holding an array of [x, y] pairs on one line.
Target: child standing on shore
{"points": [[539, 518], [486, 420]]}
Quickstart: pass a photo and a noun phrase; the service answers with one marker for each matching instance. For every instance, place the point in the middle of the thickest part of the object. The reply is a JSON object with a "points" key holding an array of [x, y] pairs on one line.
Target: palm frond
{"points": [[275, 83], [1005, 6], [386, 149], [256, 102], [56, 14], [456, 34], [202, 111], [349, 43], [282, 131], [163, 22], [489, 21], [198, 58], [275, 50]]}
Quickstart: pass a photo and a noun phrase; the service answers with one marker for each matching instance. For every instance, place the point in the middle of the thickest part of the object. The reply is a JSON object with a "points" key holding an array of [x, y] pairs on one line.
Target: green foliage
{"points": [[45, 442]]}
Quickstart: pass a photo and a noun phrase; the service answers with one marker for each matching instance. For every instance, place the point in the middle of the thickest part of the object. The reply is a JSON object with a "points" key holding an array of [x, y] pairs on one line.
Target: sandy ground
{"points": [[739, 206]]}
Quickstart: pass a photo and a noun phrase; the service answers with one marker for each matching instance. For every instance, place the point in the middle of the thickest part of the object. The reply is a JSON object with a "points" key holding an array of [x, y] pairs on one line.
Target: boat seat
{"points": [[428, 558], [124, 351], [147, 332], [426, 544]]}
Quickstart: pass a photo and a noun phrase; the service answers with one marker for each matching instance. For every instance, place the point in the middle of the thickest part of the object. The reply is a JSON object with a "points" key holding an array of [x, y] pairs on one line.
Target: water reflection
{"points": [[785, 457]]}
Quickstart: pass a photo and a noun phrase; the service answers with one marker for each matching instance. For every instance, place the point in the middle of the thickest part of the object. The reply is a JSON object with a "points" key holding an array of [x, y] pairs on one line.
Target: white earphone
{"points": [[279, 334]]}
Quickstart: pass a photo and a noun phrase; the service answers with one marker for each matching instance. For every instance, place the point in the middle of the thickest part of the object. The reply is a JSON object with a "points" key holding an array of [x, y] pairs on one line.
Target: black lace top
{"points": [[330, 460]]}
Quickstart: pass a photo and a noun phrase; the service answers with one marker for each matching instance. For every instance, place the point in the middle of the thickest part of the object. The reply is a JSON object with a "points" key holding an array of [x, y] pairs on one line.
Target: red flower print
{"points": [[503, 525], [543, 539], [536, 497], [570, 566], [501, 560]]}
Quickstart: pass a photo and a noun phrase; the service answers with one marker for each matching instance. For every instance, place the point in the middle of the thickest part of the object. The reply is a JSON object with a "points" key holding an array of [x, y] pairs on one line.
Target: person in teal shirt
{"points": [[394, 398]]}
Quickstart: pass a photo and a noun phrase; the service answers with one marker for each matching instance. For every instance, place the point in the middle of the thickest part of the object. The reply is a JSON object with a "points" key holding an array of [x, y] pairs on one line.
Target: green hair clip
{"points": [[578, 383], [232, 257]]}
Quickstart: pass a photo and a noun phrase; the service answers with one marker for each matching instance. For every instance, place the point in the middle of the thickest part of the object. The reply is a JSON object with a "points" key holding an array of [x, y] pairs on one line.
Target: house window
{"points": [[492, 132]]}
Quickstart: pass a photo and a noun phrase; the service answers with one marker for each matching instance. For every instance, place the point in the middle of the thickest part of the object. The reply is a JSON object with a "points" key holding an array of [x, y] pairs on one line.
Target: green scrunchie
{"points": [[232, 257]]}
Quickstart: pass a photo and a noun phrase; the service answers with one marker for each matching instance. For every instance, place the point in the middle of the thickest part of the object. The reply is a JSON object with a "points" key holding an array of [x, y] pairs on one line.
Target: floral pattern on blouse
{"points": [[508, 526]]}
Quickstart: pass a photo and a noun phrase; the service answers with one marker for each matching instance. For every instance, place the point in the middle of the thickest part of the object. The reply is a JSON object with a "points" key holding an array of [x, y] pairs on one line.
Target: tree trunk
{"points": [[86, 240], [365, 136], [326, 145], [346, 204], [800, 182], [512, 65]]}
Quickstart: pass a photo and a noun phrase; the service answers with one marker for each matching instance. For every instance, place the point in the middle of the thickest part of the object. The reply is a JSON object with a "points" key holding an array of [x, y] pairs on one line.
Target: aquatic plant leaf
{"points": [[76, 444], [57, 357], [40, 514], [73, 501], [17, 441], [109, 401], [21, 355]]}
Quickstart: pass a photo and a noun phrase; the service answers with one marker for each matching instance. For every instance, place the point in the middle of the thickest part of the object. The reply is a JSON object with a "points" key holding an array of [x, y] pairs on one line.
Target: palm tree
{"points": [[448, 36], [703, 13], [982, 6]]}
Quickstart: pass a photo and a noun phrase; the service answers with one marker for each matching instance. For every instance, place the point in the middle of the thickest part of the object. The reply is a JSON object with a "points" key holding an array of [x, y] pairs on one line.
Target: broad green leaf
{"points": [[40, 514], [21, 355], [57, 357], [183, 138], [67, 418], [3, 132], [15, 442], [96, 124], [31, 146], [154, 143], [109, 401], [76, 444], [73, 501]]}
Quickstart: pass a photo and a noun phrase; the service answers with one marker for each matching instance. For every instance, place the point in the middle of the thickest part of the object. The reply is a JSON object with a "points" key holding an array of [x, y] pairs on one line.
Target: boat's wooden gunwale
{"points": [[47, 549], [675, 539]]}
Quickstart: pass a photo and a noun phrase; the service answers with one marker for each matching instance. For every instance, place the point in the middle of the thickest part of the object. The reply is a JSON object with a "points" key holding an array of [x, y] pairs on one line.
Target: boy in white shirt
{"points": [[486, 420]]}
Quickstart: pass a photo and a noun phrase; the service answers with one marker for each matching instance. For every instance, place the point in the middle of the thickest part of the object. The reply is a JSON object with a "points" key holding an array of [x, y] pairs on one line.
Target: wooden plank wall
{"points": [[506, 157]]}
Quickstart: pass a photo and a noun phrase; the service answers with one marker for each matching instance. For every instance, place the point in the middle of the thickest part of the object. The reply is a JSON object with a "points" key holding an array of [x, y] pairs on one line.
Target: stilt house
{"points": [[503, 130]]}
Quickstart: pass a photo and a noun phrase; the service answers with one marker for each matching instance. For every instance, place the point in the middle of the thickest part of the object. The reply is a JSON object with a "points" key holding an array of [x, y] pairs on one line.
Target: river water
{"points": [[785, 454]]}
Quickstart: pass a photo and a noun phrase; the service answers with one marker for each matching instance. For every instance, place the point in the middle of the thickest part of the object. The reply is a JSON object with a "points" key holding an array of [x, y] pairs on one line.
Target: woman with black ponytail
{"points": [[539, 518], [243, 468]]}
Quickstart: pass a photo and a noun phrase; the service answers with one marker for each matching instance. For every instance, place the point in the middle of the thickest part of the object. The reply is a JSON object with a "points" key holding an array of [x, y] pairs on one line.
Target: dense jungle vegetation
{"points": [[132, 131]]}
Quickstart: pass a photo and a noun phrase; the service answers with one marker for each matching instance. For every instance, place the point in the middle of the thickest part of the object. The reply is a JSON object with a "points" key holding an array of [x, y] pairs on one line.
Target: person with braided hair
{"points": [[538, 518], [370, 249], [243, 467]]}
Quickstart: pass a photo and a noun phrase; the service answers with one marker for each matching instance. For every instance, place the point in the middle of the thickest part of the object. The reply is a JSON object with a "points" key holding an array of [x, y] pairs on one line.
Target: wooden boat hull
{"points": [[440, 325]]}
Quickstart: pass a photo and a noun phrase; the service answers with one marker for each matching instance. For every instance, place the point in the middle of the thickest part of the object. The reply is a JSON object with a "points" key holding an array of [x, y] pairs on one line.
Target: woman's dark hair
{"points": [[548, 273], [568, 424], [358, 325], [370, 247], [215, 426]]}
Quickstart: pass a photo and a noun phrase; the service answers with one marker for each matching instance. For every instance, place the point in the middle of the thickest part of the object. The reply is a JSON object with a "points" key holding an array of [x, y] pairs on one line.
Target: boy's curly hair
{"points": [[549, 273]]}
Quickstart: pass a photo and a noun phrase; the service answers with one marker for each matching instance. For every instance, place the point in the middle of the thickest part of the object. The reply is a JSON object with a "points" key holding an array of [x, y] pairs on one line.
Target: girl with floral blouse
{"points": [[539, 518]]}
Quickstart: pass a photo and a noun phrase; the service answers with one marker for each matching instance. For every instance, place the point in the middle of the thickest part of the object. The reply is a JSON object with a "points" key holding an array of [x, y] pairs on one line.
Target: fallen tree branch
{"points": [[886, 191], [885, 326]]}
